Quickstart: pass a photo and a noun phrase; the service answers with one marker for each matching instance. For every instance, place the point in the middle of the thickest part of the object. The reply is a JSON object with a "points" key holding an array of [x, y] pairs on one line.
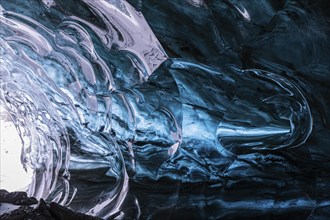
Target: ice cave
{"points": [[165, 109]]}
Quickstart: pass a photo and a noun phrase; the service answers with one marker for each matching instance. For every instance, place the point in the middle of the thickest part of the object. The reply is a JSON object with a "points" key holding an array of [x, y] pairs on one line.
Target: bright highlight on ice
{"points": [[13, 176]]}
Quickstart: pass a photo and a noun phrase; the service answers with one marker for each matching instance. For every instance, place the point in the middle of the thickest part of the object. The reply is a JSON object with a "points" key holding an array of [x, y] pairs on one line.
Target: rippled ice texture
{"points": [[232, 120]]}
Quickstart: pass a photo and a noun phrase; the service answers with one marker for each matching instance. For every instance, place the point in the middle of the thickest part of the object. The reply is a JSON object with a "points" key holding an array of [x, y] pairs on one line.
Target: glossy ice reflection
{"points": [[100, 107]]}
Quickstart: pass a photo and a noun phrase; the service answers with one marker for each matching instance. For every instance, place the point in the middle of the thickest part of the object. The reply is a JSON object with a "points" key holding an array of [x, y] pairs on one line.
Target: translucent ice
{"points": [[100, 107]]}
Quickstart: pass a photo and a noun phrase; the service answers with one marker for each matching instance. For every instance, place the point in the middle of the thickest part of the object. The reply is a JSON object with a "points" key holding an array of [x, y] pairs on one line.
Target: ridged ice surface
{"points": [[230, 121]]}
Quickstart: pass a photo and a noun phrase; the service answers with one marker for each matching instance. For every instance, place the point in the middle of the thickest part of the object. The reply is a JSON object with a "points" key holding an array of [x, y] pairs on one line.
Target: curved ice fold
{"points": [[46, 148], [72, 69], [130, 32], [99, 105], [273, 114]]}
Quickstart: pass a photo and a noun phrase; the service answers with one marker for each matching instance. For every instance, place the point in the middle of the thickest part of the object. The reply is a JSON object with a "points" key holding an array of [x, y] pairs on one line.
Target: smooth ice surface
{"points": [[232, 120]]}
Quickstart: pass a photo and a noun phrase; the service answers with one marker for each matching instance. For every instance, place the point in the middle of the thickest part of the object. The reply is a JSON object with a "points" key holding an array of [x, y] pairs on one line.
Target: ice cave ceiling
{"points": [[174, 109]]}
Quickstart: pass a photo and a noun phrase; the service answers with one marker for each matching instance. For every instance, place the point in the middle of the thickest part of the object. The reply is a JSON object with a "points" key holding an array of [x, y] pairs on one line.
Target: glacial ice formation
{"points": [[239, 99]]}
